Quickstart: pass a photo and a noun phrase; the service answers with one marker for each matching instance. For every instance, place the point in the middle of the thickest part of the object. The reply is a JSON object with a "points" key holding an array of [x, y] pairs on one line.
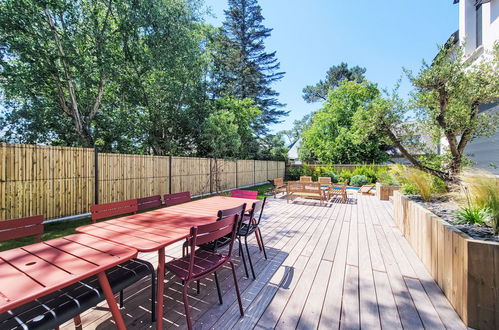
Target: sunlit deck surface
{"points": [[335, 266]]}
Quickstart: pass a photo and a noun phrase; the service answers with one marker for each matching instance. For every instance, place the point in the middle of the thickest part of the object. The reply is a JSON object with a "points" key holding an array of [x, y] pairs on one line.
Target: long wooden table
{"points": [[32, 271], [156, 229]]}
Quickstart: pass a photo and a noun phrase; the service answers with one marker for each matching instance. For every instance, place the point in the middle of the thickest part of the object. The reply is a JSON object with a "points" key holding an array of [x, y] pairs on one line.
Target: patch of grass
{"points": [[473, 216]]}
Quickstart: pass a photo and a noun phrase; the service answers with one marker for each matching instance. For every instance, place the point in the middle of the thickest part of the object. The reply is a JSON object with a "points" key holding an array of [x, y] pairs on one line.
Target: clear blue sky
{"points": [[382, 36]]}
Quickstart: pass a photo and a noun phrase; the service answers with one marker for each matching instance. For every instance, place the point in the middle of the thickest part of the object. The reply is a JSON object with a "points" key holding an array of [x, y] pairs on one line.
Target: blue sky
{"points": [[382, 36]]}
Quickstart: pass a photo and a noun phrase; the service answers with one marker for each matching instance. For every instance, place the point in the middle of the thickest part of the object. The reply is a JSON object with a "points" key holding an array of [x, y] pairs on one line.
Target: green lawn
{"points": [[63, 228]]}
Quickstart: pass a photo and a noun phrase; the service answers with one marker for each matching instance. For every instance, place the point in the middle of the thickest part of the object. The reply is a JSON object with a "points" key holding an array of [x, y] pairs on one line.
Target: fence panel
{"points": [[123, 177], [51, 181], [60, 181], [191, 174]]}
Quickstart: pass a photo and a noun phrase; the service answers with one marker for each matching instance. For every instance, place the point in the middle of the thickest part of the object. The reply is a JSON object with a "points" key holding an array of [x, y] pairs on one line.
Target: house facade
{"points": [[478, 32]]}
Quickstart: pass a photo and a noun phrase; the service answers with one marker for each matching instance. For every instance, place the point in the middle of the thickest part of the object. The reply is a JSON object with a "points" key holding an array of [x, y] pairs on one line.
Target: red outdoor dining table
{"points": [[32, 271], [156, 229]]}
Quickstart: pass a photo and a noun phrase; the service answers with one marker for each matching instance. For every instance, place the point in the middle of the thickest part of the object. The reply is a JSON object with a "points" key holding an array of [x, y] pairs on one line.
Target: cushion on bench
{"points": [[54, 309]]}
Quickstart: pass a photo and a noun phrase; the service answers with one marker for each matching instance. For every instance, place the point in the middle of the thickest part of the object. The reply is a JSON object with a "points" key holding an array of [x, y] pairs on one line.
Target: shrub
{"points": [[335, 178], [387, 180], [473, 215], [481, 191], [421, 181], [346, 176], [369, 172], [358, 180], [293, 173]]}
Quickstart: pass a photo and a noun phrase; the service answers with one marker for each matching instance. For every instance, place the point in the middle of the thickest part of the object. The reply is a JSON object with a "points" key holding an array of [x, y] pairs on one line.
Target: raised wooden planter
{"points": [[384, 192], [467, 270]]}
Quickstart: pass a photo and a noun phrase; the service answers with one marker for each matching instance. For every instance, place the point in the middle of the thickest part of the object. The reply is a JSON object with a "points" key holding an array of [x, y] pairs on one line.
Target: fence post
{"points": [[267, 163], [170, 174], [96, 176], [254, 171], [211, 175], [237, 172]]}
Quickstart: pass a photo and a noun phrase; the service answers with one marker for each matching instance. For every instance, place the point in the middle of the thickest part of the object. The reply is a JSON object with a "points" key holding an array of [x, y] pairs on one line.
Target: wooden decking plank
{"points": [[331, 311], [388, 312], [428, 314], [350, 312]]}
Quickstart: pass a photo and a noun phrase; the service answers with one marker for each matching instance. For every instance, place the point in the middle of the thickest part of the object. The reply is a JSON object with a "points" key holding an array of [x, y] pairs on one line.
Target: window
{"points": [[479, 25]]}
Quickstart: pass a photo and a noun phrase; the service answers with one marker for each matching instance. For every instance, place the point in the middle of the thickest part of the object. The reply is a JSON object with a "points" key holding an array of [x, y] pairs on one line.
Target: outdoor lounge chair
{"points": [[278, 186], [56, 308], [305, 179], [366, 189], [338, 190], [201, 263]]}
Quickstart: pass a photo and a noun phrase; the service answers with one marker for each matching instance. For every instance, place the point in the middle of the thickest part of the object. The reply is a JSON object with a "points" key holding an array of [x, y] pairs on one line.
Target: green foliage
{"points": [[480, 189], [330, 138], [241, 66], [386, 179], [220, 134], [334, 77], [299, 126], [472, 215], [346, 175], [358, 180], [293, 173], [370, 171]]}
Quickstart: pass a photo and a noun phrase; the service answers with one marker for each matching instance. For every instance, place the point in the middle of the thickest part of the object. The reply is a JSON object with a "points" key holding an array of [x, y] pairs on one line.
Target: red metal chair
{"points": [[178, 198], [200, 263], [248, 194], [151, 202], [22, 227], [101, 211], [250, 224]]}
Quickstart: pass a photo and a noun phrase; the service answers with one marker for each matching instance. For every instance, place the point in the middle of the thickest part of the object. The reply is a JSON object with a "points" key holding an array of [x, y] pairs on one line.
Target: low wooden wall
{"points": [[60, 181], [466, 270], [384, 192]]}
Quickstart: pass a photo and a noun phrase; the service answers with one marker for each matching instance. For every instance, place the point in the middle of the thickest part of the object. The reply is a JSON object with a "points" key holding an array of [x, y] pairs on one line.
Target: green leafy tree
{"points": [[299, 126], [231, 113], [330, 138], [241, 66], [272, 147], [446, 100], [334, 76]]}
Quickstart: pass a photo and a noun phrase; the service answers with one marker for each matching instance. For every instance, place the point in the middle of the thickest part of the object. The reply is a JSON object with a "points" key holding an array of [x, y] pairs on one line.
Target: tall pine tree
{"points": [[241, 66]]}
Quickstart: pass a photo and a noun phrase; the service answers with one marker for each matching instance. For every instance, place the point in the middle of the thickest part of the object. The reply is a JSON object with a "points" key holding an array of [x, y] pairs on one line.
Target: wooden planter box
{"points": [[384, 192], [467, 270]]}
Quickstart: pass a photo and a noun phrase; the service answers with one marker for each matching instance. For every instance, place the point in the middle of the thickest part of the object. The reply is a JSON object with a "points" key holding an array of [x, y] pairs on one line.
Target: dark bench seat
{"points": [[50, 311]]}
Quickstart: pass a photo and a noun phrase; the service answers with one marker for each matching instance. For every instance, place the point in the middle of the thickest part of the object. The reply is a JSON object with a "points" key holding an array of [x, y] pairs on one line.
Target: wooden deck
{"points": [[336, 266]]}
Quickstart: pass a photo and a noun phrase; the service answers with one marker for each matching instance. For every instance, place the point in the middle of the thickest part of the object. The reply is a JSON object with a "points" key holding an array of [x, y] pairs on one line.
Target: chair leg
{"points": [[241, 310], [198, 286], [186, 305], [77, 321], [121, 299], [249, 257], [153, 296], [263, 245], [218, 289], [242, 256]]}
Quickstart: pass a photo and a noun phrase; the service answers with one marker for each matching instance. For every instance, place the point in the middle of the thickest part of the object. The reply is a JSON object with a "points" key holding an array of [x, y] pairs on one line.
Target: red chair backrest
{"points": [[150, 202], [178, 198], [101, 211], [211, 232], [249, 194], [22, 227]]}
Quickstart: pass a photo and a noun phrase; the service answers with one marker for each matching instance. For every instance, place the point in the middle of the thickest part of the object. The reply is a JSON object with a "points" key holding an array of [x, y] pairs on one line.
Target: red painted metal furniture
{"points": [[200, 263], [249, 225], [178, 198], [37, 270], [22, 227], [248, 194], [154, 230], [102, 211], [151, 202]]}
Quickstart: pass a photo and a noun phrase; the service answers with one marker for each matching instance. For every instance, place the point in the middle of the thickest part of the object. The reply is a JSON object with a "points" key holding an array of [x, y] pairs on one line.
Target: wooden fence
{"points": [[338, 167], [62, 181]]}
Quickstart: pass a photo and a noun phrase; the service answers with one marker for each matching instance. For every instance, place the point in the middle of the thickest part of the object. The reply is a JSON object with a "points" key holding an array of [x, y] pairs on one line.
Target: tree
{"points": [[330, 139], [241, 66], [272, 147], [299, 126], [228, 131], [446, 100], [334, 76], [119, 74]]}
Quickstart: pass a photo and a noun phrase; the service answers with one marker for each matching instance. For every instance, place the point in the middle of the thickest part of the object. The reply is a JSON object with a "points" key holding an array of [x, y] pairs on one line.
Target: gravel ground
{"points": [[446, 209]]}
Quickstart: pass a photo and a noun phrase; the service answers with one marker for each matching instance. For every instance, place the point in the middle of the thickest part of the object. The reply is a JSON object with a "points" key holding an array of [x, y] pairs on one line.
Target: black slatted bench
{"points": [[52, 310]]}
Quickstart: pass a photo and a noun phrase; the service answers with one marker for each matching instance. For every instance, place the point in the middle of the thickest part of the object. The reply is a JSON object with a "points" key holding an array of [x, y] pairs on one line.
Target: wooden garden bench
{"points": [[310, 190]]}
